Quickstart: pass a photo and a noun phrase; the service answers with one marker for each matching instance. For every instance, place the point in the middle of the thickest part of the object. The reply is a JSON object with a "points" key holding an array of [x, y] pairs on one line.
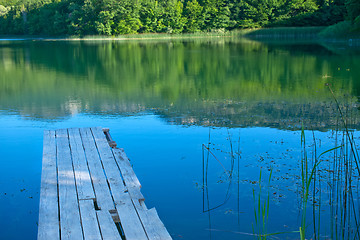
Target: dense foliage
{"points": [[113, 17]]}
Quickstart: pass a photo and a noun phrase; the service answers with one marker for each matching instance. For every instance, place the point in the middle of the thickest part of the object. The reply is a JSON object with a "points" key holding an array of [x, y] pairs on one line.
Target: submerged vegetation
{"points": [[109, 17], [327, 184]]}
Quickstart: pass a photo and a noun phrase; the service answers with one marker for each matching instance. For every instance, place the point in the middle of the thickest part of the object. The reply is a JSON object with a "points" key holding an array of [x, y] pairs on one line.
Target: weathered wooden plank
{"points": [[48, 210], [107, 226], [102, 191], [131, 181], [154, 227], [89, 220], [126, 169], [129, 219], [82, 176], [107, 158], [69, 209]]}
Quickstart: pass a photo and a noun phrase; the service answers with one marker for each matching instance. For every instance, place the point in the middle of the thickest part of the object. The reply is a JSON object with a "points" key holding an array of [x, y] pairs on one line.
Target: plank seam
{"points": [[68, 196], [106, 132], [121, 175], [98, 142], [141, 221], [132, 200], [97, 219], [77, 195], [96, 170], [57, 183], [139, 205], [103, 168], [88, 168]]}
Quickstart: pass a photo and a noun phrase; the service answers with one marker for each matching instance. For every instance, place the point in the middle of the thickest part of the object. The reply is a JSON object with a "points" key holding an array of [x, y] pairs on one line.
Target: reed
{"points": [[261, 209], [340, 177], [308, 171], [345, 212], [328, 180], [206, 154]]}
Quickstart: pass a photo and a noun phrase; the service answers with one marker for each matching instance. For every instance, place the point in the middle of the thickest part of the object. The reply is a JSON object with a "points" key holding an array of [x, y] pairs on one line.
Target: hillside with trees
{"points": [[115, 17]]}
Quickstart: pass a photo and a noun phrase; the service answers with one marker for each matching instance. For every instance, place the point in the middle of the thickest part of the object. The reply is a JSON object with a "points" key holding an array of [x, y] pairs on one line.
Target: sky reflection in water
{"points": [[161, 101]]}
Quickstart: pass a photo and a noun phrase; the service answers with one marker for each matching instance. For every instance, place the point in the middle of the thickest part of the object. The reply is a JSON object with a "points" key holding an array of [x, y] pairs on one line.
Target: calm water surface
{"points": [[162, 100]]}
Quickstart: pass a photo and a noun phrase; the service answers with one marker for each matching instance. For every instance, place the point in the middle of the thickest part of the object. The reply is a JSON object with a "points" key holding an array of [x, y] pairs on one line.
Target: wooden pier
{"points": [[90, 191]]}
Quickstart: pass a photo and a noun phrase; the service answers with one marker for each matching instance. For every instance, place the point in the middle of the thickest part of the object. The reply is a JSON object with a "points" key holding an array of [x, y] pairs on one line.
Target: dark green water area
{"points": [[213, 128]]}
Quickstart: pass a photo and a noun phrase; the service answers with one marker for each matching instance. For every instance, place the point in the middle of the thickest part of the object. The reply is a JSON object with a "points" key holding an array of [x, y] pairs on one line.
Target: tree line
{"points": [[115, 17]]}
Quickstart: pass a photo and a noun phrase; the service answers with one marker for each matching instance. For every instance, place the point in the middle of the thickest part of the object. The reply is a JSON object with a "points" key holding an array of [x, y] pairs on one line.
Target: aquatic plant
{"points": [[345, 170], [327, 179], [338, 178], [261, 209], [307, 177]]}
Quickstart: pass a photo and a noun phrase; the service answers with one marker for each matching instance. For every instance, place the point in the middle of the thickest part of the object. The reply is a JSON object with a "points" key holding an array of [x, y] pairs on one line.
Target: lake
{"points": [[212, 126]]}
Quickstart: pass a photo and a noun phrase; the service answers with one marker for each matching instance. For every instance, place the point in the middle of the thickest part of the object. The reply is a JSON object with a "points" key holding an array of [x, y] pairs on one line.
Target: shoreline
{"points": [[279, 34], [147, 36]]}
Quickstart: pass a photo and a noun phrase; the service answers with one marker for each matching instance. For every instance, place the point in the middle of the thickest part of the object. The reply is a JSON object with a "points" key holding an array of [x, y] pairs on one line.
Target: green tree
{"points": [[223, 17], [173, 17], [193, 16], [353, 9], [151, 16], [60, 23], [248, 15], [127, 19], [3, 10], [104, 23], [209, 13], [14, 23], [110, 17], [297, 7], [88, 15]]}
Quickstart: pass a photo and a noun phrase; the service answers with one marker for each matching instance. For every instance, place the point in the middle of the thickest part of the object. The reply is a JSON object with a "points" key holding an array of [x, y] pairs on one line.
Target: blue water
{"points": [[168, 162], [161, 108]]}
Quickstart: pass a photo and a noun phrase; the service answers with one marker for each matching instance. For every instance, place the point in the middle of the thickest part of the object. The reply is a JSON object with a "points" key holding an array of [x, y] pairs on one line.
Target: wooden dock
{"points": [[90, 191]]}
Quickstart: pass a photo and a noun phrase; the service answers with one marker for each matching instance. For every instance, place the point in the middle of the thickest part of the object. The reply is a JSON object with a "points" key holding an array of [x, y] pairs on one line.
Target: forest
{"points": [[116, 17]]}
